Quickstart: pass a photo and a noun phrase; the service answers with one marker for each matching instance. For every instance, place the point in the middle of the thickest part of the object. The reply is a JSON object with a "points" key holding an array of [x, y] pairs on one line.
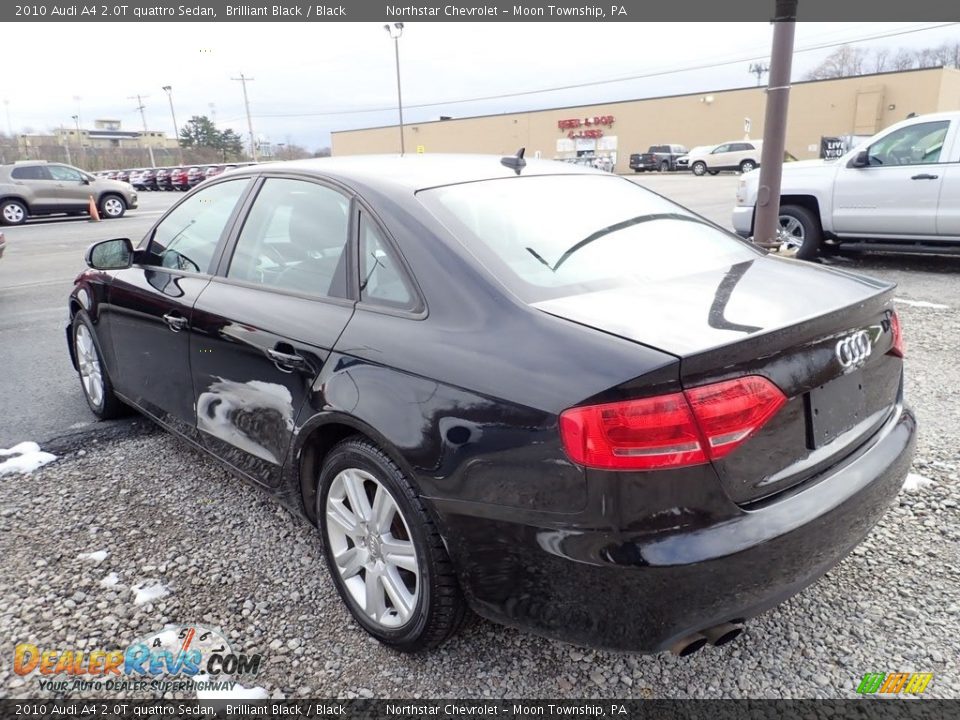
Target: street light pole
{"points": [[395, 31], [766, 230], [143, 117], [168, 89], [83, 152], [253, 142]]}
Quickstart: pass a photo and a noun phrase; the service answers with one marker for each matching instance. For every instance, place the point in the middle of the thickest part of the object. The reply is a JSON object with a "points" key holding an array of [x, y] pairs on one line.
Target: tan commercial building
{"points": [[819, 109]]}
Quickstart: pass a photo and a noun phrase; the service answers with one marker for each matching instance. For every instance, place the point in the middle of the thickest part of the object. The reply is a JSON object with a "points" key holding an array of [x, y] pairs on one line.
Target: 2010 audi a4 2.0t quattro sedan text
{"points": [[531, 389]]}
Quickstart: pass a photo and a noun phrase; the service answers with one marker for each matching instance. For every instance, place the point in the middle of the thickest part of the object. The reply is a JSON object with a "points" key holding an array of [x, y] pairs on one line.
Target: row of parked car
{"points": [[738, 155], [169, 178]]}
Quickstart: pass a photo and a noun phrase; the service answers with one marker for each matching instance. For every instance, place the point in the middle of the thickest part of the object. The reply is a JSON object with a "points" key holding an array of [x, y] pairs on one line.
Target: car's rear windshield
{"points": [[552, 236]]}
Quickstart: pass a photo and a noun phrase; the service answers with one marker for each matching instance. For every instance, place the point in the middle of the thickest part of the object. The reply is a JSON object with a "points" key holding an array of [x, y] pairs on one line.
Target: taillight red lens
{"points": [[670, 431], [897, 348], [730, 412]]}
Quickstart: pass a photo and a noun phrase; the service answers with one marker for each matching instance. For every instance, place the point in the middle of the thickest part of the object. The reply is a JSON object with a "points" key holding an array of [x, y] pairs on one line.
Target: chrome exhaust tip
{"points": [[722, 634], [688, 645]]}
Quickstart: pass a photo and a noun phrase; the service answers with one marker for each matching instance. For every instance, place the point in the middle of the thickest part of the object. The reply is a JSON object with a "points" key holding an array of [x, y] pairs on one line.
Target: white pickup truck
{"points": [[898, 190]]}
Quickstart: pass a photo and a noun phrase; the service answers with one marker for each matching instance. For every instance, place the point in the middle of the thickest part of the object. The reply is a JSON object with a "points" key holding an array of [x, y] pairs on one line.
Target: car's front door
{"points": [[73, 187], [150, 304], [720, 157], [265, 326], [897, 192]]}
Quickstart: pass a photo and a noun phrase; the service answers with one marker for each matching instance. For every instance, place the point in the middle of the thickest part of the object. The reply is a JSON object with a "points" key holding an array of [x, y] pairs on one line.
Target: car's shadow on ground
{"points": [[865, 262]]}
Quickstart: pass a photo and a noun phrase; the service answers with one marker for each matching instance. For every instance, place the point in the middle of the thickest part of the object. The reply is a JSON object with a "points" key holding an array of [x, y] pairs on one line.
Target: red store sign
{"points": [[586, 127]]}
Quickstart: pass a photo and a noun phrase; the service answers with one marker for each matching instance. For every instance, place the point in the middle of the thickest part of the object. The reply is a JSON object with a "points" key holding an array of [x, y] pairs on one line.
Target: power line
{"points": [[592, 83]]}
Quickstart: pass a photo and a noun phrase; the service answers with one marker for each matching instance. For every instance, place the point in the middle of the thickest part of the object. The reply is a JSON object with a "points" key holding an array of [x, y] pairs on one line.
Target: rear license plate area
{"points": [[834, 408]]}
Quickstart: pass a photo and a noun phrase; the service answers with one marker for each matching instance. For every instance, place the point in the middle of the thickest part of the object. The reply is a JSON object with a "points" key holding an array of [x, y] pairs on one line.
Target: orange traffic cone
{"points": [[92, 209]]}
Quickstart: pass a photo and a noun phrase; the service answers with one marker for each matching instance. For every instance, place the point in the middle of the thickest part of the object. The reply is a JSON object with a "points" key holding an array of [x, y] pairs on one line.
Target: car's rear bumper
{"points": [[645, 590], [743, 220]]}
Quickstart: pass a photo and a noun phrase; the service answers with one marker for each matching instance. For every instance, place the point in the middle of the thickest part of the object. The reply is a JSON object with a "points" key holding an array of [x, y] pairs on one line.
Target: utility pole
{"points": [[759, 69], [66, 145], [253, 141], [176, 130], [141, 107], [766, 231], [395, 32], [83, 151]]}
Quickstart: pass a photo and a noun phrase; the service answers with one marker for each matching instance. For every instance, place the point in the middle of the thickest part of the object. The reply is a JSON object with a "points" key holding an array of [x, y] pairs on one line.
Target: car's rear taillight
{"points": [[670, 431], [897, 348]]}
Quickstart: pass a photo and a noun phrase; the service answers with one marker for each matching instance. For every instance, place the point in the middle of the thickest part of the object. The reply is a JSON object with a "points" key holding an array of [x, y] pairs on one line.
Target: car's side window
{"points": [[721, 149], [382, 279], [30, 172], [919, 144], [64, 174], [295, 239], [187, 238]]}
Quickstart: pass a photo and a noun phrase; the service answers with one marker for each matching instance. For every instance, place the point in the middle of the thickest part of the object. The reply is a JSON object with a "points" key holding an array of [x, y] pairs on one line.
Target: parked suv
{"points": [[657, 157], [195, 175], [40, 188], [742, 155], [179, 179]]}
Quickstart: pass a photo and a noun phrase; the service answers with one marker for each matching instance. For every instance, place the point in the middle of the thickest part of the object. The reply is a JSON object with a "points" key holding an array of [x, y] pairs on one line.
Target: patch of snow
{"points": [[148, 591], [24, 457], [921, 304], [95, 557], [238, 692], [915, 482], [110, 580]]}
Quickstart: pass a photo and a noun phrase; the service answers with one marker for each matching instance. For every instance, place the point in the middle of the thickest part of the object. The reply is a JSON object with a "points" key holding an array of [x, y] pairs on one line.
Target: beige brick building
{"points": [[859, 105]]}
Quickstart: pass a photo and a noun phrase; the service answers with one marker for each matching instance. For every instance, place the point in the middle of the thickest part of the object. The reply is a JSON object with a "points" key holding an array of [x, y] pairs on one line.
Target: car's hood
{"points": [[693, 313]]}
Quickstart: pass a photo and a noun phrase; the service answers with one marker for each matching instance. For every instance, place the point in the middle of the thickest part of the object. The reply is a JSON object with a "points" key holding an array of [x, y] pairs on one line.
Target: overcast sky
{"points": [[315, 68]]}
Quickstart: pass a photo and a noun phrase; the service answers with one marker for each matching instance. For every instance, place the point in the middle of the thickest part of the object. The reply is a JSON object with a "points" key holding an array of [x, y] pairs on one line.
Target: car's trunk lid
{"points": [[787, 321]]}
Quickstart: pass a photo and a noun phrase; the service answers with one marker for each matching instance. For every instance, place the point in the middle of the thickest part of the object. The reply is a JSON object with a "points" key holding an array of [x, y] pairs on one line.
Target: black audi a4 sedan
{"points": [[532, 389]]}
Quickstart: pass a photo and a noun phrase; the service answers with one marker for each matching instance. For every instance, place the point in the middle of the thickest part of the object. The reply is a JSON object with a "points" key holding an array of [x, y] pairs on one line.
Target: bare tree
{"points": [[948, 54], [845, 61], [904, 60], [927, 58], [881, 59]]}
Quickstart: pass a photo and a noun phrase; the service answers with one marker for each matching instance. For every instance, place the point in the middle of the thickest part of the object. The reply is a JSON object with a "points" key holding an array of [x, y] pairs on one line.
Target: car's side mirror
{"points": [[84, 181], [113, 254], [860, 160]]}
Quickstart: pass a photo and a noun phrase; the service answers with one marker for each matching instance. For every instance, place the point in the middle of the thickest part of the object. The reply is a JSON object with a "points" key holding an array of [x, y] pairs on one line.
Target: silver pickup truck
{"points": [[898, 190]]}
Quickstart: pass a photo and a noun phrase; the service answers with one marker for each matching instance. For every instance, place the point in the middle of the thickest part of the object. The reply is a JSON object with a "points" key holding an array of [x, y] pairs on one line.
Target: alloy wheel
{"points": [[13, 214], [791, 232], [112, 207], [88, 363], [371, 544]]}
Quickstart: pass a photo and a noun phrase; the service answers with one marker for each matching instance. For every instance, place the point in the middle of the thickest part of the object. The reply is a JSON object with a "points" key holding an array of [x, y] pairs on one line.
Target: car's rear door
{"points": [[37, 186], [264, 326], [150, 305]]}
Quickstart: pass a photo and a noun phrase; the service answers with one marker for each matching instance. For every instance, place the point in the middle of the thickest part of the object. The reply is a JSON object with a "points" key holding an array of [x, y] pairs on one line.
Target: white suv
{"points": [[742, 155]]}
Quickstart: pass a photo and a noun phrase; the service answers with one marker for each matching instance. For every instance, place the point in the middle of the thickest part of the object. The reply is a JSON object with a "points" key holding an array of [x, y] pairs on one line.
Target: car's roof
{"points": [[417, 171]]}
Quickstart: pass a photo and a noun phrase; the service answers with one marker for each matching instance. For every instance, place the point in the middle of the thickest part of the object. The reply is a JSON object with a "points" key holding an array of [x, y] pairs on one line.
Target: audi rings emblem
{"points": [[854, 349]]}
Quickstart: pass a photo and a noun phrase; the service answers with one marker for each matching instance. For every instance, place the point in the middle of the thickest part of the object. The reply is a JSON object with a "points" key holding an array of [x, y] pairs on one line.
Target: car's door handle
{"points": [[287, 360], [175, 322], [924, 176]]}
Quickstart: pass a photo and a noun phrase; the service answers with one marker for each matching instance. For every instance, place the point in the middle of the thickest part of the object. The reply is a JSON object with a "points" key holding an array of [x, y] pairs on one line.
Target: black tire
{"points": [[747, 166], [112, 206], [713, 172], [638, 170], [109, 406], [812, 232], [13, 212], [664, 166], [699, 168], [440, 608]]}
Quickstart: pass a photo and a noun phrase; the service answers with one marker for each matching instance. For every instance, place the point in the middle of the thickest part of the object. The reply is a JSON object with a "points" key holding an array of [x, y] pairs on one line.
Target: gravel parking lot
{"points": [[234, 559]]}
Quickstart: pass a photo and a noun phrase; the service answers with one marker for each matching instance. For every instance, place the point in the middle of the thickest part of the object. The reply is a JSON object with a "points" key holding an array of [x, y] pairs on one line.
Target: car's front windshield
{"points": [[555, 235]]}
